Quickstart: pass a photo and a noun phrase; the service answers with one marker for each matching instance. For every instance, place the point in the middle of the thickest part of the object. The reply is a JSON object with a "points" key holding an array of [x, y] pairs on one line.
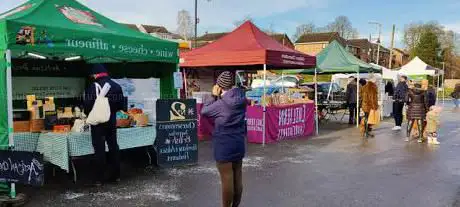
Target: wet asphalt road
{"points": [[337, 168]]}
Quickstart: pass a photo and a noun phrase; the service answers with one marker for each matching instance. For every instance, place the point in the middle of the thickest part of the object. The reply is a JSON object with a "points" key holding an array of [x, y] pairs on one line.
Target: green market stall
{"points": [[65, 32], [332, 60]]}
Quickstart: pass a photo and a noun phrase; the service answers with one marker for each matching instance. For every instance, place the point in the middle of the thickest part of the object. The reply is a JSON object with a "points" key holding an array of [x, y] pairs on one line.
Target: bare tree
{"points": [[413, 32], [242, 21], [343, 26], [304, 29], [184, 24]]}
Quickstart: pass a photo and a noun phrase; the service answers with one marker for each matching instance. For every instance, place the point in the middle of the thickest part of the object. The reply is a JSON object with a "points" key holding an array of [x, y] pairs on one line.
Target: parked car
{"points": [[256, 93], [286, 81], [336, 94]]}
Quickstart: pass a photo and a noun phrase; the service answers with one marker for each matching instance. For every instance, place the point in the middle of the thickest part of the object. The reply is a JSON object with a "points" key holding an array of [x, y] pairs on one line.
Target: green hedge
{"points": [[447, 93]]}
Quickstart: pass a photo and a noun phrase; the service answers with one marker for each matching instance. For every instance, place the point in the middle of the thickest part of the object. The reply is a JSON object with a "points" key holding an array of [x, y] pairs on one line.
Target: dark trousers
{"points": [[100, 134], [352, 112], [231, 175], [398, 108]]}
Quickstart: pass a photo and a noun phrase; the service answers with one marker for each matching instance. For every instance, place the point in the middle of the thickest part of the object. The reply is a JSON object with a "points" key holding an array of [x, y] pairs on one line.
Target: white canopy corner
{"points": [[417, 67]]}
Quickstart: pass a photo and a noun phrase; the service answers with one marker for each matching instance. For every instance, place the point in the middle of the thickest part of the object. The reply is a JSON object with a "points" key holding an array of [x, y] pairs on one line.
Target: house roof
{"points": [[155, 29], [281, 37], [361, 43], [401, 51], [210, 37], [321, 37], [382, 48], [151, 29]]}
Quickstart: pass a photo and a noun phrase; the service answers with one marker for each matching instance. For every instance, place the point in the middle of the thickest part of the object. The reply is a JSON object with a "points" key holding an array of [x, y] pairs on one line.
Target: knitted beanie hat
{"points": [[226, 80]]}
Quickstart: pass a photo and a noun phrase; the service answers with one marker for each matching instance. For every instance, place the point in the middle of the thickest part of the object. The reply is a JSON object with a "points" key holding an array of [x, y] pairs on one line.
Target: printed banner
{"points": [[282, 122], [141, 93], [47, 86]]}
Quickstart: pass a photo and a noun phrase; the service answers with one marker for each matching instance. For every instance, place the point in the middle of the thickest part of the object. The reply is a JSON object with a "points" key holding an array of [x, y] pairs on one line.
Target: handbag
{"points": [[101, 109], [80, 126], [374, 117]]}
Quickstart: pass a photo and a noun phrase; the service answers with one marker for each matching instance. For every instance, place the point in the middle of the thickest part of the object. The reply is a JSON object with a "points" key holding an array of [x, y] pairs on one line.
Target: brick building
{"points": [[400, 58], [313, 43], [369, 51]]}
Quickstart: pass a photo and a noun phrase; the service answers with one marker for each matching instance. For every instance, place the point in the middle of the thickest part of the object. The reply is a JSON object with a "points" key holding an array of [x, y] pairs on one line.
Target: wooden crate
{"points": [[37, 125], [21, 126]]}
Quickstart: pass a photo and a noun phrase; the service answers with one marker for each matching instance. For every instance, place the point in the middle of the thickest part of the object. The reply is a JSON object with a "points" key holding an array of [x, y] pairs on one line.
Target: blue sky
{"points": [[284, 15]]}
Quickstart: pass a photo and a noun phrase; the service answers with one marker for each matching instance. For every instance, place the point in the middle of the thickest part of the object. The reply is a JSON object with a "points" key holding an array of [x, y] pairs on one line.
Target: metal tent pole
{"points": [[437, 90], [9, 92], [316, 103], [443, 80], [265, 104], [357, 99]]}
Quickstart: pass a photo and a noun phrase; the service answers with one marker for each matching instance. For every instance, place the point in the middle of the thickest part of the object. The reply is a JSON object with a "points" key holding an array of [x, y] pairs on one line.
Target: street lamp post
{"points": [[378, 41], [196, 22]]}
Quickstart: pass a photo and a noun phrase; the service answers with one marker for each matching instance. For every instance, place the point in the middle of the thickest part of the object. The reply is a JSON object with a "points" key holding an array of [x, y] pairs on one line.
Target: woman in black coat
{"points": [[416, 111]]}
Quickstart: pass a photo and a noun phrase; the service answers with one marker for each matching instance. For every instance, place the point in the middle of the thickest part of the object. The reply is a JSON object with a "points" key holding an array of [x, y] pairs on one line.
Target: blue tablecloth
{"points": [[58, 147]]}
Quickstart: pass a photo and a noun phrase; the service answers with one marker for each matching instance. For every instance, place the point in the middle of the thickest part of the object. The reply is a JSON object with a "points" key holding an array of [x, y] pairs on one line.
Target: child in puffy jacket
{"points": [[432, 124]]}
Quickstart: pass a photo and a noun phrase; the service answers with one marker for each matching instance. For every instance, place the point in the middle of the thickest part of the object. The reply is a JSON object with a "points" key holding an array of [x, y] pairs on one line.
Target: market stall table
{"points": [[59, 148]]}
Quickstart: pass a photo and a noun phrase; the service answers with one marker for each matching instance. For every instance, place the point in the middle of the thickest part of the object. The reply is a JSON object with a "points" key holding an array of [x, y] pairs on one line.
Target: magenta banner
{"points": [[205, 125], [282, 122]]}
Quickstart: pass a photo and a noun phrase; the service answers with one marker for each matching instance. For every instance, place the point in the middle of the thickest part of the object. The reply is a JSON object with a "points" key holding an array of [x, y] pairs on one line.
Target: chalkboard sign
{"points": [[176, 109], [177, 140], [21, 167]]}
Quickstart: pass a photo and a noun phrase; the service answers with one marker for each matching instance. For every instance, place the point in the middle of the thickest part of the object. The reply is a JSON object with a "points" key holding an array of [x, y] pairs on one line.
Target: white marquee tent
{"points": [[417, 67]]}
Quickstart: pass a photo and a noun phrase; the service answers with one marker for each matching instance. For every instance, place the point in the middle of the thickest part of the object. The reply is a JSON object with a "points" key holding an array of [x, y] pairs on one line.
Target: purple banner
{"points": [[282, 122]]}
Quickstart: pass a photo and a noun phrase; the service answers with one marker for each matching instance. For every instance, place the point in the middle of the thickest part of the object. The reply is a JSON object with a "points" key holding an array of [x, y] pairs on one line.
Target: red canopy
{"points": [[246, 45]]}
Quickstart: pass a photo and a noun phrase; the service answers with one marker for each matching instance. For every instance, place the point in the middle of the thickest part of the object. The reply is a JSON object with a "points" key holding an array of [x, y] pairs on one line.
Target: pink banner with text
{"points": [[282, 122]]}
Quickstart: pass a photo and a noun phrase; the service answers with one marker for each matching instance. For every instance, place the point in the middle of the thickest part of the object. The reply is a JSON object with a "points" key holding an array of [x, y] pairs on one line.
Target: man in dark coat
{"points": [[105, 132], [399, 97], [351, 94]]}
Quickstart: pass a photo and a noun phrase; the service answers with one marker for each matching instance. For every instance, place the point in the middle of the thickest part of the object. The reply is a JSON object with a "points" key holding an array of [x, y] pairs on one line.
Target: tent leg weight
{"points": [[20, 200]]}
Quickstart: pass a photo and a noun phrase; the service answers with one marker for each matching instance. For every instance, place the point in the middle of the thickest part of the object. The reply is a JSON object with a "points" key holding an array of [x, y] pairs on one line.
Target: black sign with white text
{"points": [[177, 139], [21, 167]]}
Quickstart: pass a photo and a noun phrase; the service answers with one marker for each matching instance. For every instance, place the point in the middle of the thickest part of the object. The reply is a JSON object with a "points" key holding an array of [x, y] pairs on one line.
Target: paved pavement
{"points": [[337, 168]]}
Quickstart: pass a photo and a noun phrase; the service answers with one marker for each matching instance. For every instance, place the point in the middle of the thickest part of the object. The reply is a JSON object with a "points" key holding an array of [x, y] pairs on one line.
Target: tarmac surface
{"points": [[337, 168]]}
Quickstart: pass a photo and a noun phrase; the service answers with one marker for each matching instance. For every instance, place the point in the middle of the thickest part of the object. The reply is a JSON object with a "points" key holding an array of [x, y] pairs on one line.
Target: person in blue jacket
{"points": [[105, 132], [228, 109]]}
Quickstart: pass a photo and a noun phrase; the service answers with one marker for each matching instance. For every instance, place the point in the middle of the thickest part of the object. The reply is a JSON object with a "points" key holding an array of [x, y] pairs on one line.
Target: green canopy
{"points": [[335, 59], [64, 30]]}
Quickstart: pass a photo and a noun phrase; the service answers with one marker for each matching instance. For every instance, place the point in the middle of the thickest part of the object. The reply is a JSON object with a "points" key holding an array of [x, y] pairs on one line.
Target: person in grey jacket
{"points": [[351, 94], [399, 98]]}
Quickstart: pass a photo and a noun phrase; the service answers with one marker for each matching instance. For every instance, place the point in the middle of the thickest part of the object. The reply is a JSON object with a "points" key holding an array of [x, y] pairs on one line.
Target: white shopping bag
{"points": [[101, 109]]}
